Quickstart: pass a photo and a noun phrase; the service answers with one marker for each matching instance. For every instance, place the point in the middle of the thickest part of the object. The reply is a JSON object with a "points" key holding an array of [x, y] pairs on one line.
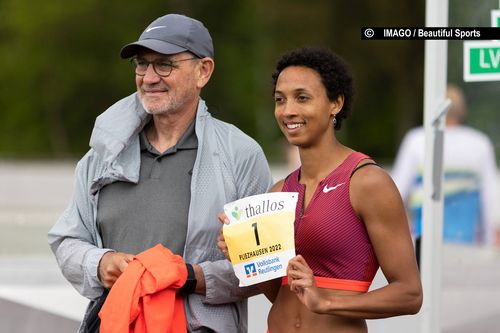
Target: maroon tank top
{"points": [[328, 234]]}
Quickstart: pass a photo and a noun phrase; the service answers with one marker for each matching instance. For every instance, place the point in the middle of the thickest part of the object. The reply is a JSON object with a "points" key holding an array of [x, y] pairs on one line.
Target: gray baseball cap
{"points": [[173, 33]]}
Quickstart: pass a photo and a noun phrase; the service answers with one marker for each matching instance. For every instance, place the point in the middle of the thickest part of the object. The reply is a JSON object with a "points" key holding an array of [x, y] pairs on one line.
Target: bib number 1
{"points": [[256, 232]]}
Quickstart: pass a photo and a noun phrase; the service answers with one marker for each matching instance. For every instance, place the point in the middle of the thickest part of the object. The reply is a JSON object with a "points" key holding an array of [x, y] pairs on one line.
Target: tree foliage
{"points": [[61, 66]]}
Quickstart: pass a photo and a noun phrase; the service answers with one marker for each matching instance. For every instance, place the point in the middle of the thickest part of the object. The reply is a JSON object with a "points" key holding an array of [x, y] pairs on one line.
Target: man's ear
{"points": [[205, 70]]}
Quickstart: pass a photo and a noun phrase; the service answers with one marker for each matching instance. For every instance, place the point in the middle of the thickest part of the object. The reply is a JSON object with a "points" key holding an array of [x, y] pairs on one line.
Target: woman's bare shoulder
{"points": [[277, 187]]}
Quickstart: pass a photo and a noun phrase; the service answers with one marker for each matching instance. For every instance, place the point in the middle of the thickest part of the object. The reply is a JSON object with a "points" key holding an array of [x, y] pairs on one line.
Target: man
{"points": [[469, 178], [159, 170]]}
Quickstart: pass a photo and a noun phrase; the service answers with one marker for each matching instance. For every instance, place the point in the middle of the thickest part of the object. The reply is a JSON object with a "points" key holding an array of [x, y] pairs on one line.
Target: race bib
{"points": [[260, 235]]}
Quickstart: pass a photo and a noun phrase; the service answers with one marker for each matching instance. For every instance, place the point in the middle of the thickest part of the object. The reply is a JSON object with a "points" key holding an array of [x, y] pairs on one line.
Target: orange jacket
{"points": [[144, 298]]}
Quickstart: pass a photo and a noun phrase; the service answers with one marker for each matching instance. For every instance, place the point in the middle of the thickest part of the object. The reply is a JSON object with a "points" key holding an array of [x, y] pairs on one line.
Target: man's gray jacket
{"points": [[229, 165]]}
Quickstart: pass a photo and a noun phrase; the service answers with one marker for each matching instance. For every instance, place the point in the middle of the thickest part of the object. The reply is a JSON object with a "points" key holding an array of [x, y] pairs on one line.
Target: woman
{"points": [[349, 219]]}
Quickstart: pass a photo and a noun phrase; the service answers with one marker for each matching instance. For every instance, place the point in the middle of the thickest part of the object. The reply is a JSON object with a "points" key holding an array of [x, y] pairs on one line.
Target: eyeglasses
{"points": [[161, 67]]}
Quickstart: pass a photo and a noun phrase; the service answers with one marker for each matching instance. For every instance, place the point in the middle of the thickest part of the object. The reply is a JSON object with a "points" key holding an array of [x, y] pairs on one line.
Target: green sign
{"points": [[495, 18], [481, 61]]}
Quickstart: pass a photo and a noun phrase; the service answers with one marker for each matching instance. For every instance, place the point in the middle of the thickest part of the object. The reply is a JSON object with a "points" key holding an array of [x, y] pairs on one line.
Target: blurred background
{"points": [[60, 68]]}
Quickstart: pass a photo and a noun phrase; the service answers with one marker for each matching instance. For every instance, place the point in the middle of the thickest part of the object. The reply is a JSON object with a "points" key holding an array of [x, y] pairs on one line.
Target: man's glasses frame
{"points": [[162, 68]]}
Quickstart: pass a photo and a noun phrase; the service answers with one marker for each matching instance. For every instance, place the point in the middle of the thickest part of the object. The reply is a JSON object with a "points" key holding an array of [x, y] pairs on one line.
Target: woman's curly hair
{"points": [[334, 72]]}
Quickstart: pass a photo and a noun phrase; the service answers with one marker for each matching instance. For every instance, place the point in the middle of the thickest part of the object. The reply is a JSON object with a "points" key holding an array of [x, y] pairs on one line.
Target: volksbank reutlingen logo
{"points": [[266, 266], [250, 270]]}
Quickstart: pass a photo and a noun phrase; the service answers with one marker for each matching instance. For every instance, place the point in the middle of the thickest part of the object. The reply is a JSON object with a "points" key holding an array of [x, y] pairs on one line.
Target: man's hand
{"points": [[111, 266]]}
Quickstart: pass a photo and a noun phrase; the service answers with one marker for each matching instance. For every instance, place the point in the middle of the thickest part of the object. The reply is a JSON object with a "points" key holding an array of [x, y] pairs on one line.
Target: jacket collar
{"points": [[115, 137], [121, 123]]}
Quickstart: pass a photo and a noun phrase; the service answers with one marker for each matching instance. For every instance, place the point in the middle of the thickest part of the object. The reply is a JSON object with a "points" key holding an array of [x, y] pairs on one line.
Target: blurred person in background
{"points": [[350, 219], [159, 170], [470, 179]]}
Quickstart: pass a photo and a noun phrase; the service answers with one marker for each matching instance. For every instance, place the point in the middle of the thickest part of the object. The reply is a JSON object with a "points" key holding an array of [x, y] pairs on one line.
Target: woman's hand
{"points": [[221, 242], [302, 283]]}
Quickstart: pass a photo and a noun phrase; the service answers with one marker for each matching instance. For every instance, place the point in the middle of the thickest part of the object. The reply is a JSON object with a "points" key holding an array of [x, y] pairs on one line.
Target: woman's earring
{"points": [[334, 121]]}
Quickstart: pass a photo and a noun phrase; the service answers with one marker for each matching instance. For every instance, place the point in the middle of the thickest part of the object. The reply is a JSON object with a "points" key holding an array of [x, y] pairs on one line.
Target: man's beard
{"points": [[164, 108], [171, 104]]}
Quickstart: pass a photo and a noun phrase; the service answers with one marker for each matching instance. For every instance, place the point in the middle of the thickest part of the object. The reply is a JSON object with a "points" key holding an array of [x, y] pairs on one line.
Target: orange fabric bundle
{"points": [[144, 298]]}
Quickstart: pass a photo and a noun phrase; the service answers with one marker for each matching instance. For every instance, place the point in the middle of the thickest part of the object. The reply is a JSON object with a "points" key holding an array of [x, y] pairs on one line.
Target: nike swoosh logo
{"points": [[153, 28], [327, 189]]}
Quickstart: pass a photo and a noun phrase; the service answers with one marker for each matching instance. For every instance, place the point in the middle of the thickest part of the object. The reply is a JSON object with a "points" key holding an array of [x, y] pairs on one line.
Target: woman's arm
{"points": [[376, 200]]}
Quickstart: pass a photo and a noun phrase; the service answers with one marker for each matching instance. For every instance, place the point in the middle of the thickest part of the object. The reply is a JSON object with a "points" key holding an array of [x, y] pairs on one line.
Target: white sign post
{"points": [[435, 107]]}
